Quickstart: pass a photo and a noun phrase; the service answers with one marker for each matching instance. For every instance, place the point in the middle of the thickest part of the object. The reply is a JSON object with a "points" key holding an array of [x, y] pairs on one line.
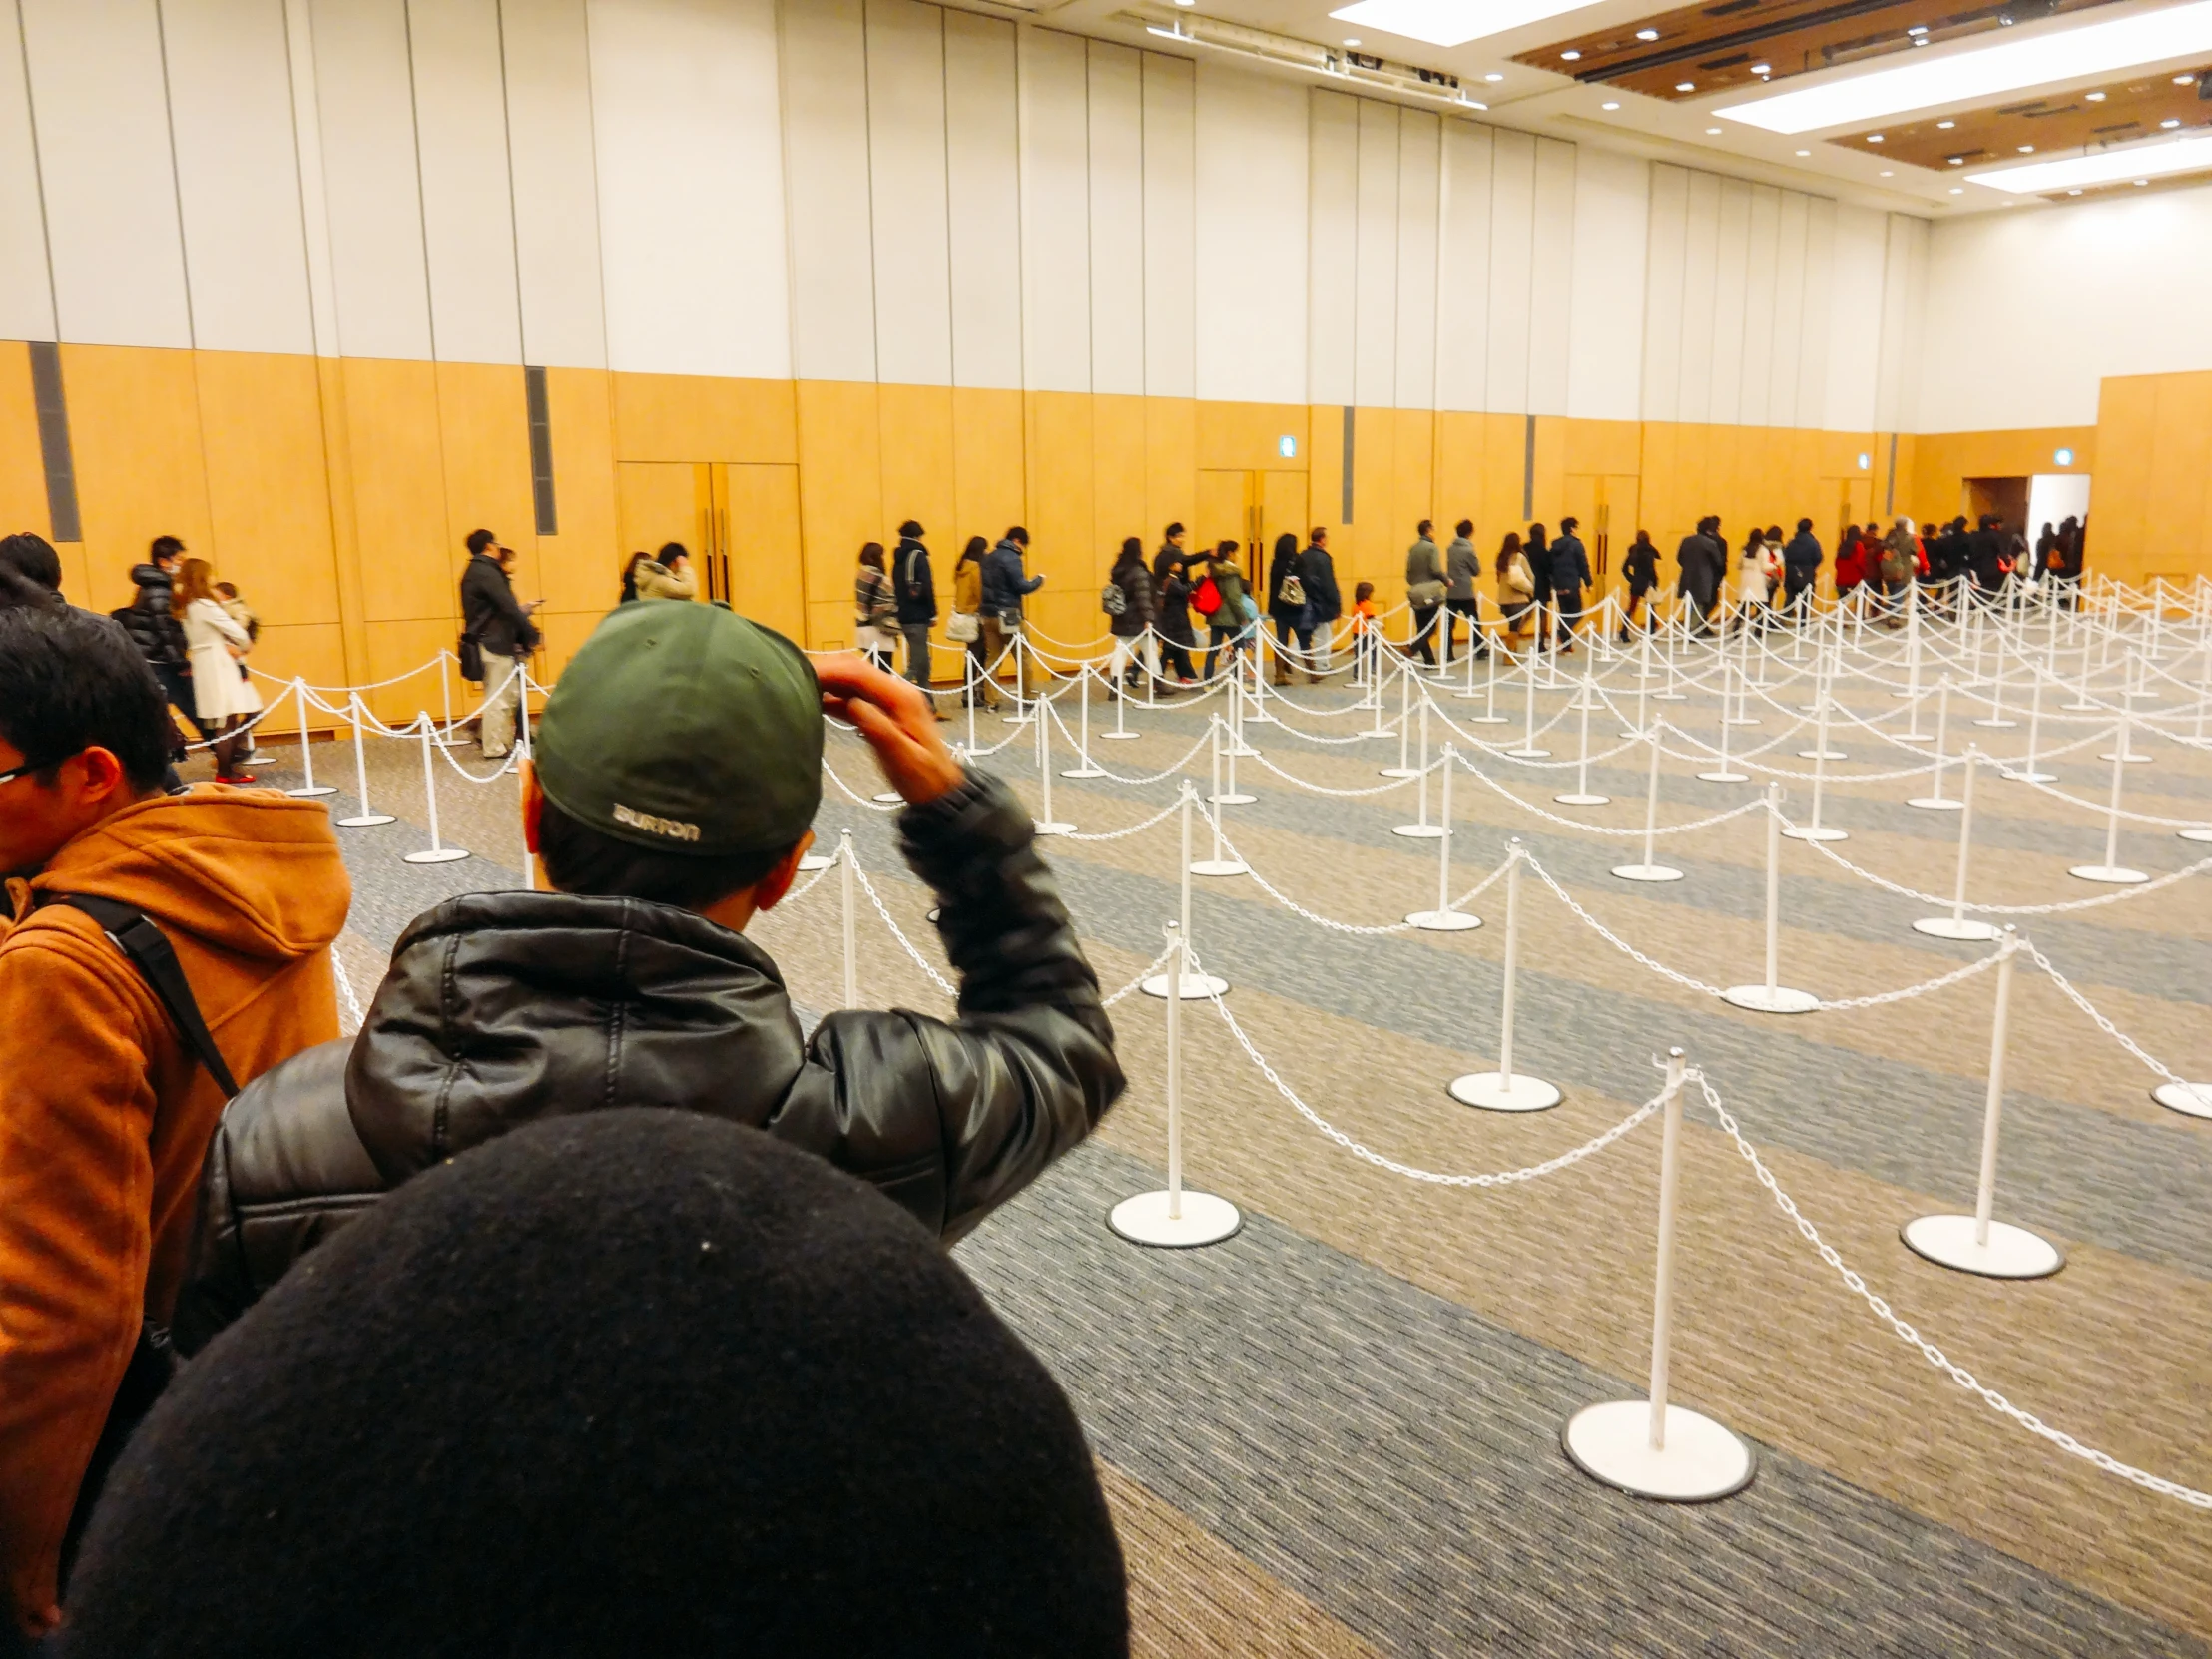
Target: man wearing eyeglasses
{"points": [[104, 1110]]}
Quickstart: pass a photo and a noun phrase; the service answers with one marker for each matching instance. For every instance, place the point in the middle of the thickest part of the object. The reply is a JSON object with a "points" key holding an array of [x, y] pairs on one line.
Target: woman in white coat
{"points": [[213, 645]]}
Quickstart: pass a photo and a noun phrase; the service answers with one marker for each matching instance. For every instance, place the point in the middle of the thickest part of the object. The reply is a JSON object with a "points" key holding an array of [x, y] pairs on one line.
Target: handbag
{"points": [[1206, 598], [1292, 592], [964, 627], [1426, 594], [470, 651]]}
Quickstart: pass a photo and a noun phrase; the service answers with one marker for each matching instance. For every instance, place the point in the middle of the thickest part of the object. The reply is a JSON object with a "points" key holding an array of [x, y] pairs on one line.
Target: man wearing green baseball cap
{"points": [[678, 769]]}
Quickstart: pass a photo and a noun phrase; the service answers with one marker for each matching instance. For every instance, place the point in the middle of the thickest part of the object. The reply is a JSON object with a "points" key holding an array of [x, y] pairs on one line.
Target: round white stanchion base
{"points": [[1113, 736], [1943, 928], [885, 797], [1197, 987], [1203, 1220], [1054, 826], [1219, 867], [2111, 875], [1243, 750], [1824, 832], [1741, 719], [1418, 831], [1647, 873], [931, 916], [1082, 771], [1490, 1091], [2033, 777], [320, 788], [439, 855], [1526, 753], [362, 821], [2195, 835], [1444, 921], [1580, 800], [1700, 1462], [2130, 759], [1396, 772], [1912, 737], [1994, 721], [1822, 755], [1936, 804], [1233, 798], [2012, 1252], [814, 862], [1780, 1000], [2195, 1099], [1725, 776], [1670, 697]]}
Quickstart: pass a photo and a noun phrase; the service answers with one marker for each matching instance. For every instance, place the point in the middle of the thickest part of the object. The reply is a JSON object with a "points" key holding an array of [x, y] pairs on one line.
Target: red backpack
{"points": [[1206, 598]]}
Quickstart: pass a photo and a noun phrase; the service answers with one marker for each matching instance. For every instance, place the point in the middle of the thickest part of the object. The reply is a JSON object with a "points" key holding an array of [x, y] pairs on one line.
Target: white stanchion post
{"points": [[1672, 694], [1723, 772], [1175, 1219], [368, 814], [307, 750], [1938, 802], [1957, 926], [437, 852], [1219, 864], [1193, 985], [1979, 1242], [1581, 794], [1820, 752], [1489, 715], [1042, 706], [1650, 870], [1422, 830], [1996, 715], [1083, 767], [1652, 1448], [1121, 732], [1403, 769], [523, 748], [1528, 750], [1773, 998], [2112, 873], [845, 886], [2029, 773], [1912, 692], [1443, 919], [1502, 1090]]}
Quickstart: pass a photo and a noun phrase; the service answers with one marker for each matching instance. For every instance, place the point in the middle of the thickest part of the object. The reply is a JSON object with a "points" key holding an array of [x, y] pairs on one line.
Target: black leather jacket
{"points": [[501, 1008]]}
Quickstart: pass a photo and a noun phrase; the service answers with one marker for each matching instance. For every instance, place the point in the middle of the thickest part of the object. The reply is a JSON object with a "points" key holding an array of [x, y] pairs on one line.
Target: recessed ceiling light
{"points": [[2096, 98], [1685, 86], [1958, 161], [1762, 69], [2141, 182], [1571, 56], [1873, 138], [1919, 40], [1608, 106], [1493, 76], [1804, 151], [1946, 126], [1647, 34], [1956, 191], [2170, 123], [1354, 41], [2185, 80], [1712, 132], [2027, 150], [2076, 191], [1448, 22], [1888, 172], [1917, 29], [2144, 161], [1961, 78]]}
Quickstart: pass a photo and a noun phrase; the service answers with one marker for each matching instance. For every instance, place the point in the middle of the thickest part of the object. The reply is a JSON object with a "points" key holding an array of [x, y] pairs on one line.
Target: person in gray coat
{"points": [[1424, 591], [1462, 566]]}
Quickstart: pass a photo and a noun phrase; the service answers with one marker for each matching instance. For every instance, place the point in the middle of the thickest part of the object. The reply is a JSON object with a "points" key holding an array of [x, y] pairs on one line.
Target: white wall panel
{"points": [[1612, 233], [314, 200], [1512, 256], [365, 96], [1055, 212], [1787, 338], [906, 182], [825, 170], [1250, 249], [1761, 274], [1551, 277], [983, 200], [1731, 257], [1668, 254], [1171, 230], [1464, 269], [691, 185], [1419, 164], [556, 188], [26, 287], [468, 200], [1116, 91], [1700, 277], [1855, 318], [1903, 285], [1374, 289], [1333, 259], [102, 122], [1820, 289], [238, 179]]}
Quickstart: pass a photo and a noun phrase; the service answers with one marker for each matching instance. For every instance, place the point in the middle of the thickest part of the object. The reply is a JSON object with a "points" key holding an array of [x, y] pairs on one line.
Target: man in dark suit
{"points": [[1702, 563], [1317, 573]]}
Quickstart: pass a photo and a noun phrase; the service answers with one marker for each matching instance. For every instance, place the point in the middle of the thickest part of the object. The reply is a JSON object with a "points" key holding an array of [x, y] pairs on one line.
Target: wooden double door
{"points": [[1250, 509], [738, 521]]}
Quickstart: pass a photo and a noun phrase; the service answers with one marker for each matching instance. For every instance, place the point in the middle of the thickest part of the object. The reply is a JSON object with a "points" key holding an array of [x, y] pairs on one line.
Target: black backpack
{"points": [[152, 1360]]}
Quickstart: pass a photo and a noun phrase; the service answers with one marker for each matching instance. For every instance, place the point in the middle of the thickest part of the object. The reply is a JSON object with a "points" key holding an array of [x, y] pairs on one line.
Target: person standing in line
{"points": [[917, 603], [966, 627], [2044, 542], [227, 594], [1536, 551], [1367, 632], [1132, 625], [1173, 585], [630, 577], [1517, 592], [214, 644], [30, 571], [151, 618], [1006, 586], [1235, 617], [1317, 571], [1424, 591], [1463, 569], [500, 625], [1700, 563], [1751, 584], [1801, 571], [668, 575], [1570, 579], [875, 608], [1851, 572], [1290, 606], [1640, 570], [1898, 558], [1171, 552]]}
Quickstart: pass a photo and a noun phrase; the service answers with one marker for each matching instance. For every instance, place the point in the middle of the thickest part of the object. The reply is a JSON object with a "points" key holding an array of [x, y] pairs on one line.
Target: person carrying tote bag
{"points": [[875, 608]]}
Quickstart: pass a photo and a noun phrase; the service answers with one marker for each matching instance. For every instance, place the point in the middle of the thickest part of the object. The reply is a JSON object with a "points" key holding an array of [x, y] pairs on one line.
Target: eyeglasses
{"points": [[29, 766]]}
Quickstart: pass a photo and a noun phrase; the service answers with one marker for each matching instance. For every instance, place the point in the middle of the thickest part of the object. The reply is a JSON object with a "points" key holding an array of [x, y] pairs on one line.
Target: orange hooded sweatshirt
{"points": [[105, 1116]]}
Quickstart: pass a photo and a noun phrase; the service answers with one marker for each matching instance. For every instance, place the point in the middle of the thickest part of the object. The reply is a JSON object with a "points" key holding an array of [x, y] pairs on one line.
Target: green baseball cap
{"points": [[686, 728]]}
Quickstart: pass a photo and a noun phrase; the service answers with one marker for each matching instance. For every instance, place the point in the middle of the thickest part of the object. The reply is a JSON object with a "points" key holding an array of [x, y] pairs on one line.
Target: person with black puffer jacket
{"points": [[676, 769], [151, 620]]}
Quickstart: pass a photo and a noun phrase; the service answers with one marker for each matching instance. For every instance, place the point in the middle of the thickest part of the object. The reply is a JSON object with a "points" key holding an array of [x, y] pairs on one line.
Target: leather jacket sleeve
{"points": [[953, 1117]]}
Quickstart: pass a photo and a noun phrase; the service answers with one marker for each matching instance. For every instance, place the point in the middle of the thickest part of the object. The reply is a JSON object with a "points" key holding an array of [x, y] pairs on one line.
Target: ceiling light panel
{"points": [[2108, 167], [1450, 22], [1965, 76]]}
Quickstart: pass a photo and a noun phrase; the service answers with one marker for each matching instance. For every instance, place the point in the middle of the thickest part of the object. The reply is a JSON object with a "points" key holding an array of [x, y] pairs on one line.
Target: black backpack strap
{"points": [[150, 952]]}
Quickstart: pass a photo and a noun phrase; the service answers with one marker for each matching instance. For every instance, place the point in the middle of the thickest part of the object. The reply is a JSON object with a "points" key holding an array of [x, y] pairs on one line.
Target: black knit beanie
{"points": [[631, 1383]]}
